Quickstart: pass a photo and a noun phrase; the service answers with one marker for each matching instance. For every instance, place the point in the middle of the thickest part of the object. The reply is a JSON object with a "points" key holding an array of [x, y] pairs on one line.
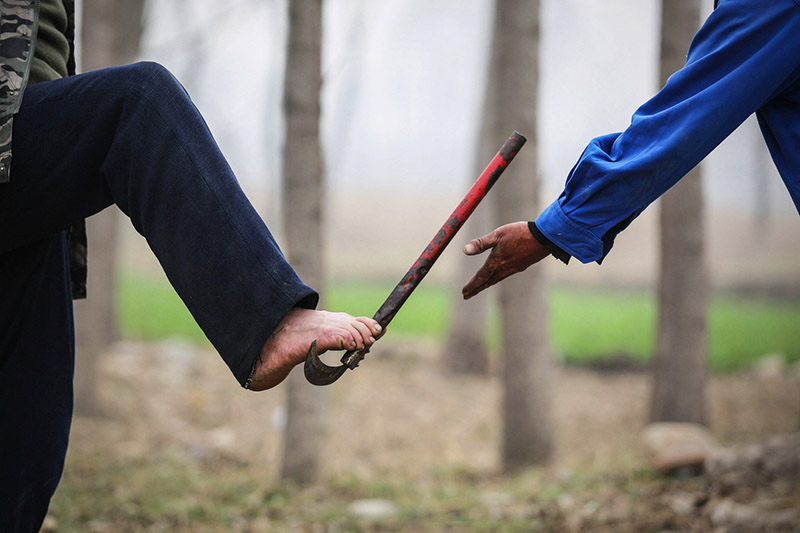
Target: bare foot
{"points": [[288, 344]]}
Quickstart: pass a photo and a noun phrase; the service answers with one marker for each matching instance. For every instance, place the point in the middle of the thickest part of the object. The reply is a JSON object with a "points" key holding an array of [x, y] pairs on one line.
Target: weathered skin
{"points": [[513, 249]]}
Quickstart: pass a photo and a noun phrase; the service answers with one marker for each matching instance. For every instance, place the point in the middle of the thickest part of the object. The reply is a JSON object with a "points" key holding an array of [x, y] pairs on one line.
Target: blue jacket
{"points": [[744, 60]]}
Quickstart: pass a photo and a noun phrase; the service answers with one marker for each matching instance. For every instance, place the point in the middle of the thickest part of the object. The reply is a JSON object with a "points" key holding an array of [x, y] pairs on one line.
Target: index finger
{"points": [[480, 281]]}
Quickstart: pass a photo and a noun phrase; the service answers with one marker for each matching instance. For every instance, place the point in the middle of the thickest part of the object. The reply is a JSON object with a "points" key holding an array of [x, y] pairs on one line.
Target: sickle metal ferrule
{"points": [[317, 372]]}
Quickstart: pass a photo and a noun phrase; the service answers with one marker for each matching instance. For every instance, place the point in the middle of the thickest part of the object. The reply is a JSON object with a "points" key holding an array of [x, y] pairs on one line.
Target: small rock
{"points": [[563, 474], [727, 512], [589, 508], [280, 418], [566, 503], [726, 471], [769, 367], [198, 452], [734, 468], [673, 446], [781, 456], [223, 438], [373, 509], [751, 517], [683, 503], [49, 525], [497, 503], [494, 499]]}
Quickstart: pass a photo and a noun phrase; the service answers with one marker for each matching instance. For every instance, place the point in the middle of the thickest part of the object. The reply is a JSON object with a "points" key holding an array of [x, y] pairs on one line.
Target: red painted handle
{"points": [[420, 268]]}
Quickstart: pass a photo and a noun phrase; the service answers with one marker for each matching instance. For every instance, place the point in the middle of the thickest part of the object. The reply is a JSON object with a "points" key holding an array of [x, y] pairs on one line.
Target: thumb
{"points": [[481, 244]]}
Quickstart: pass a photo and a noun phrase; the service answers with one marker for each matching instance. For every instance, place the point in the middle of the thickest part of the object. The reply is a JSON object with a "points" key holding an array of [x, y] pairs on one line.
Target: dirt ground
{"points": [[398, 418]]}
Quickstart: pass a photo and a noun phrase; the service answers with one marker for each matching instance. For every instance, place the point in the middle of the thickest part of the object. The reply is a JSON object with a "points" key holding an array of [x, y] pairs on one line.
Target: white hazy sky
{"points": [[401, 75]]}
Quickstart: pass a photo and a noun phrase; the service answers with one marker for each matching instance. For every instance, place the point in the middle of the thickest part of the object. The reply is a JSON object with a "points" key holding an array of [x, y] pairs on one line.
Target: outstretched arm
{"points": [[745, 55]]}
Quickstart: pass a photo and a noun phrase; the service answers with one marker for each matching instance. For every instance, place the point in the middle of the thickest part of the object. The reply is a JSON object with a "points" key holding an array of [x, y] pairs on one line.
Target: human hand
{"points": [[514, 249]]}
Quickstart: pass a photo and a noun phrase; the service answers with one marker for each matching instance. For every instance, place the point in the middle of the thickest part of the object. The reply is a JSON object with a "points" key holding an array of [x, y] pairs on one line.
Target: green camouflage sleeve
{"points": [[17, 33]]}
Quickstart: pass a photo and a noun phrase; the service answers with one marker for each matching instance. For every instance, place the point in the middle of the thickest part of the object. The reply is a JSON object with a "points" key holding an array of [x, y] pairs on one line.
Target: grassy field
{"points": [[172, 493], [586, 325], [181, 448]]}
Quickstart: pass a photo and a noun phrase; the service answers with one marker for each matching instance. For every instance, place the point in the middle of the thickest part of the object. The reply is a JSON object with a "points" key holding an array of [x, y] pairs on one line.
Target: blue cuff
{"points": [[569, 236]]}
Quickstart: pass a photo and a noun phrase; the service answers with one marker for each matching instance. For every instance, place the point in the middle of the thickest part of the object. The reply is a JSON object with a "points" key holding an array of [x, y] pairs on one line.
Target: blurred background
{"points": [[434, 432]]}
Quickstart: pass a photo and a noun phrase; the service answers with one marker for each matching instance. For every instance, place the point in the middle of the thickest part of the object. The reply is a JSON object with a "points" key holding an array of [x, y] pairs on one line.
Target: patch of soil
{"points": [[397, 415]]}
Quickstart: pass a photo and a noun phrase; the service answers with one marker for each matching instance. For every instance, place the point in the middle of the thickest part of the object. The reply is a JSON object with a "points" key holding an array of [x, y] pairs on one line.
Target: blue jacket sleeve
{"points": [[746, 54]]}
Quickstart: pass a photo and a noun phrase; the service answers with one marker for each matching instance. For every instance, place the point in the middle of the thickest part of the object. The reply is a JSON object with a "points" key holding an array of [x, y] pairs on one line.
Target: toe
{"points": [[373, 325], [363, 331]]}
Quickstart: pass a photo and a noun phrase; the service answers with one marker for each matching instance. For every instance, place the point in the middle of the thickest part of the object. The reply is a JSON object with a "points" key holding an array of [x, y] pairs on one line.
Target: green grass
{"points": [[103, 491], [149, 309], [171, 493], [586, 324], [741, 330]]}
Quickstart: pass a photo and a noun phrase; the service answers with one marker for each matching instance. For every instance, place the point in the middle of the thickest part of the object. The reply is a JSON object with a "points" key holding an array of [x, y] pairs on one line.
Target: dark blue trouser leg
{"points": [[36, 362], [131, 136]]}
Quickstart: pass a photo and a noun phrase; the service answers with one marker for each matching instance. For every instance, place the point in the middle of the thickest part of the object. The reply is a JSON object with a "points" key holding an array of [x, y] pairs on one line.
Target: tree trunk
{"points": [[303, 192], [465, 351], [680, 363], [761, 182], [95, 317], [110, 36], [527, 363]]}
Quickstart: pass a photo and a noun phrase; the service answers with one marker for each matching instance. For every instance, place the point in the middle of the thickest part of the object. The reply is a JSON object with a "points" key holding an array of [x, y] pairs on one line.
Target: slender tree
{"points": [[526, 358], [303, 194], [466, 351], [110, 36], [762, 175], [679, 375]]}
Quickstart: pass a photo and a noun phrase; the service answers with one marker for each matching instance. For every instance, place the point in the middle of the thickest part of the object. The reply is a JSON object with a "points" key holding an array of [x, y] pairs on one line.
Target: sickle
{"points": [[317, 372]]}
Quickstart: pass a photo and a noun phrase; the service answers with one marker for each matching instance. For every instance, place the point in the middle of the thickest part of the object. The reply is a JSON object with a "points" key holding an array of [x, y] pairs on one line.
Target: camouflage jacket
{"points": [[19, 21]]}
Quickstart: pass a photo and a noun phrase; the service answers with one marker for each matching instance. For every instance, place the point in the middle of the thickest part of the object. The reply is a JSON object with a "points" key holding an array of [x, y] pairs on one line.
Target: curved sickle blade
{"points": [[317, 372]]}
